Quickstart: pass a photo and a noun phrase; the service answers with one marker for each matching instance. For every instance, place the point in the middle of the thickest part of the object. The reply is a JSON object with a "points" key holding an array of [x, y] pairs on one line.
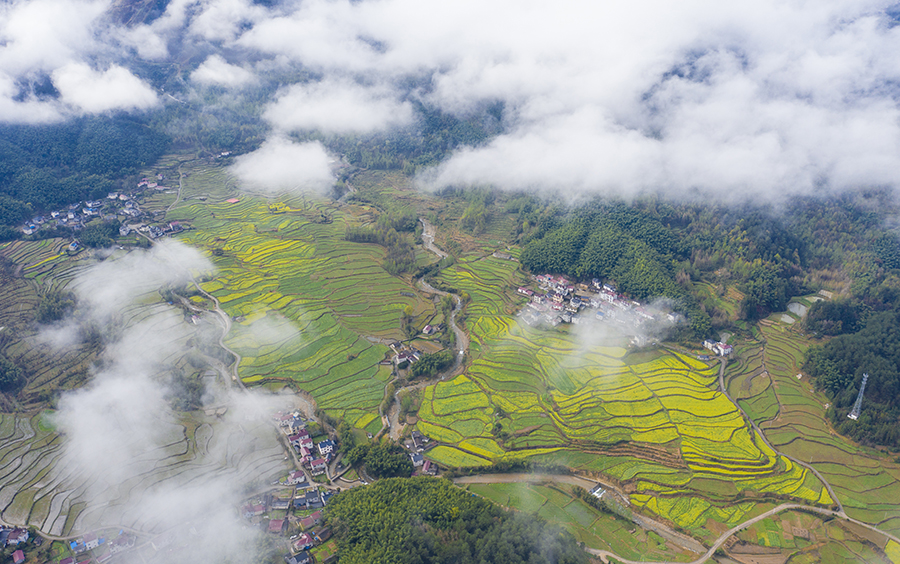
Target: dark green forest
{"points": [[838, 367], [429, 521], [654, 248], [52, 165], [382, 460]]}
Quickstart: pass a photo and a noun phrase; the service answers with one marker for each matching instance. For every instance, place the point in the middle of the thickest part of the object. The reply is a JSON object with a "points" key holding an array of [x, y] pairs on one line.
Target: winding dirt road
{"points": [[462, 340], [722, 363], [645, 523]]}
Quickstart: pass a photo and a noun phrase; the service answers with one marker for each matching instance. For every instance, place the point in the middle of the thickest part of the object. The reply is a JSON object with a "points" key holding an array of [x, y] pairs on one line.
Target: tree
{"points": [[431, 364], [54, 305], [11, 376], [418, 520], [387, 460]]}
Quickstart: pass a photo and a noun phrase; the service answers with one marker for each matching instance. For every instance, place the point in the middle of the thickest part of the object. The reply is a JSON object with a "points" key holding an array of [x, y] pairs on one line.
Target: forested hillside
{"points": [[52, 165], [652, 248], [838, 368], [428, 520]]}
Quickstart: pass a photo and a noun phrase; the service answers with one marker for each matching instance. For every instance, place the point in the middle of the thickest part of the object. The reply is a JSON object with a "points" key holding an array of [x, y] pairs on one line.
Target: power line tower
{"points": [[854, 413]]}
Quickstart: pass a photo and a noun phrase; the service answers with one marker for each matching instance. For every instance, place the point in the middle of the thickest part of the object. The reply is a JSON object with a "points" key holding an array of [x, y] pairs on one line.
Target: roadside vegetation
{"points": [[430, 520]]}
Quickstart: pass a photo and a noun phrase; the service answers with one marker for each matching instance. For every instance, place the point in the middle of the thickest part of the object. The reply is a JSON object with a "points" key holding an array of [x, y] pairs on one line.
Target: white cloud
{"points": [[45, 34], [748, 96], [283, 165], [154, 474], [111, 285], [338, 106], [222, 19], [148, 41], [216, 70], [100, 91]]}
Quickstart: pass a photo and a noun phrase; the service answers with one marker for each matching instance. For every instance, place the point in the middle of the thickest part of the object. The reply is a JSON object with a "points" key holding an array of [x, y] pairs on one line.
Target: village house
{"points": [[420, 441], [17, 536], [525, 291], [91, 541], [122, 542], [720, 349], [304, 542], [310, 521], [322, 534], [280, 503], [318, 466], [18, 557], [417, 460], [248, 511], [310, 500], [326, 447], [277, 526], [298, 438], [723, 350], [284, 420], [296, 477], [301, 558]]}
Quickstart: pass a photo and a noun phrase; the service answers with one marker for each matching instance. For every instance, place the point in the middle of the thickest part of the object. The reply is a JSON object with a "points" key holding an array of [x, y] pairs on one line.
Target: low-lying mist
{"points": [[176, 478]]}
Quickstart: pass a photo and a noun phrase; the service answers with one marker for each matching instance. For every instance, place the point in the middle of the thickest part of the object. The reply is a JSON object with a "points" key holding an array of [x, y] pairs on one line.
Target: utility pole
{"points": [[854, 413]]}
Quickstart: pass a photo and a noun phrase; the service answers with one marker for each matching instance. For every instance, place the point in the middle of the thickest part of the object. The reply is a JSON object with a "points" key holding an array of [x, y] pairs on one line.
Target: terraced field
{"points": [[40, 266], [312, 308], [595, 529], [805, 538], [38, 487], [792, 415], [45, 482], [654, 421]]}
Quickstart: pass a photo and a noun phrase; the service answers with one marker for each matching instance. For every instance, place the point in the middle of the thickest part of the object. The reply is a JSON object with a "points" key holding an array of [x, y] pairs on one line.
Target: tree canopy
{"points": [[838, 368], [429, 521]]}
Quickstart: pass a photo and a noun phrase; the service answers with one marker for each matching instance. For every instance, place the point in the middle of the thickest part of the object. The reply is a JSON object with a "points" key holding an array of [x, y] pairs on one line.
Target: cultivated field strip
{"points": [[793, 416], [659, 424], [38, 485], [310, 306]]}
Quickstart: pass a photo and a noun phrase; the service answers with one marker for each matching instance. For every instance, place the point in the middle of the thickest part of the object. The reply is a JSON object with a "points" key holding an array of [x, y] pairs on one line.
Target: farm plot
{"points": [[39, 485], [311, 307], [594, 528], [801, 537], [42, 266], [682, 445], [865, 481]]}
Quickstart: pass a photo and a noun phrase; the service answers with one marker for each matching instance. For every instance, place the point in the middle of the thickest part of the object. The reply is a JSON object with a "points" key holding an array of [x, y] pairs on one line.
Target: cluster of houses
{"points": [[13, 537], [405, 354], [309, 500], [314, 456], [100, 549], [718, 348], [93, 542], [303, 542], [416, 446], [16, 537], [561, 301], [117, 205], [310, 503]]}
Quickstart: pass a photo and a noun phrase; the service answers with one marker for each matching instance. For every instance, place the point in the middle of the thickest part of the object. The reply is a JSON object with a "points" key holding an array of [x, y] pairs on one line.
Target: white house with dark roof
{"points": [[326, 447]]}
